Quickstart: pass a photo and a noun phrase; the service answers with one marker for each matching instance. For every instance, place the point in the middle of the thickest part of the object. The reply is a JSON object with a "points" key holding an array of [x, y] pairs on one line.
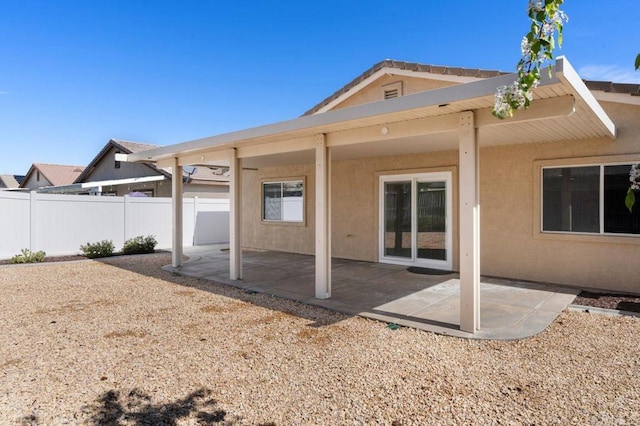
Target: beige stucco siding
{"points": [[355, 186], [511, 242], [375, 92], [290, 237]]}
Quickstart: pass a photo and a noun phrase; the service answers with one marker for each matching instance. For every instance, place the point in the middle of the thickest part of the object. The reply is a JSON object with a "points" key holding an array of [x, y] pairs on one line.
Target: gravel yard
{"points": [[122, 342]]}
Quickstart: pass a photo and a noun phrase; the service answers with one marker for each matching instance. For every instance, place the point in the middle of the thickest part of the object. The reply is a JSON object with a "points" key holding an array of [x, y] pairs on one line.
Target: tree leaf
{"points": [[637, 61], [630, 200]]}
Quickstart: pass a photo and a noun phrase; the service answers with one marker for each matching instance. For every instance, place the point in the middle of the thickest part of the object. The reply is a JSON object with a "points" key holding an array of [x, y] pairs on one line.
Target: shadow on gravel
{"points": [[136, 409], [317, 315]]}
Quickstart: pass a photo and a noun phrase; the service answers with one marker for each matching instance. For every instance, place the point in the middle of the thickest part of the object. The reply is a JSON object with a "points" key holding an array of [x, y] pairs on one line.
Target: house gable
{"points": [[41, 175], [104, 166], [391, 84], [413, 78], [34, 179]]}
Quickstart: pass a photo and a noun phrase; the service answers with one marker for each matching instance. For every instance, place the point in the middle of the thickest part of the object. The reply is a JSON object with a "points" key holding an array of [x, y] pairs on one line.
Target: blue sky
{"points": [[74, 74]]}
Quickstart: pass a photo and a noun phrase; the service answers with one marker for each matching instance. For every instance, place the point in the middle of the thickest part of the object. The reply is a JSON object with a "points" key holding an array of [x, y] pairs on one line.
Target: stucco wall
{"points": [[355, 187], [512, 245], [33, 183], [374, 92], [291, 237], [511, 242]]}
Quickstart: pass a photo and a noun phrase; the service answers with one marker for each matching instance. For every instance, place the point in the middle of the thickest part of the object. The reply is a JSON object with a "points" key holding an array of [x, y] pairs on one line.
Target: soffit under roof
{"points": [[588, 120]]}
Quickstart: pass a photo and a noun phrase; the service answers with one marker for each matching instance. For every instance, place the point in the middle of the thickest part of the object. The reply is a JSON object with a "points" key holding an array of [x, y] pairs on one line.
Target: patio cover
{"points": [[456, 117]]}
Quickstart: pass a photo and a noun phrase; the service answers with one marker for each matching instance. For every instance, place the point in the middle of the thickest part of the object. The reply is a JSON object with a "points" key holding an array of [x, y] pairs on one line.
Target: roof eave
{"points": [[566, 73], [320, 122], [330, 120]]}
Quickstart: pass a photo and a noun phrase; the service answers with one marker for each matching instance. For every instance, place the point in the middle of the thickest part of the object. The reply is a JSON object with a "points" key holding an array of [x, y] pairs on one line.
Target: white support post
{"points": [[323, 218], [176, 198], [235, 202], [469, 193]]}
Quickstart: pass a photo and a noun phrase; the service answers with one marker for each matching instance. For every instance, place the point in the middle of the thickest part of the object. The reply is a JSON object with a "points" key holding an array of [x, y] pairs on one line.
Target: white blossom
{"points": [[548, 28], [559, 17], [535, 6], [525, 47], [509, 98], [634, 177]]}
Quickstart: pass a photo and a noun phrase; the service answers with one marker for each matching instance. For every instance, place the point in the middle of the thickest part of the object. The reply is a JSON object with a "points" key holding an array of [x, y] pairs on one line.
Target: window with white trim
{"points": [[283, 201], [588, 199]]}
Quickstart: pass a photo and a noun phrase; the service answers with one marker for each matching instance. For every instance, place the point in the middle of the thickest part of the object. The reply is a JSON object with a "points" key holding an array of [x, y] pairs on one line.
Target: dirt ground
{"points": [[123, 342]]}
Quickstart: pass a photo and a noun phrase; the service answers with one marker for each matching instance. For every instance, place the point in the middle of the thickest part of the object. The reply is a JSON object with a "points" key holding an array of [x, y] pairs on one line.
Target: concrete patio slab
{"points": [[508, 309]]}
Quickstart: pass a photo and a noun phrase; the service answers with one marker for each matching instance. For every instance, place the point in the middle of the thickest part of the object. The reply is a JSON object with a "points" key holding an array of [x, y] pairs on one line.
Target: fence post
{"points": [[195, 217], [125, 216], [33, 221]]}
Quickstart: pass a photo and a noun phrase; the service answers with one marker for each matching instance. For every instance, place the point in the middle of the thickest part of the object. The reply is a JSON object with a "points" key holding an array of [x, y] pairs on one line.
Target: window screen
{"points": [[572, 200], [283, 201]]}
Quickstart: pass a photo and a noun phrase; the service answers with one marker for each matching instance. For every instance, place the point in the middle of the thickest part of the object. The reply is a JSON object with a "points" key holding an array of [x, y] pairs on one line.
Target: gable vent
{"points": [[393, 90], [392, 93]]}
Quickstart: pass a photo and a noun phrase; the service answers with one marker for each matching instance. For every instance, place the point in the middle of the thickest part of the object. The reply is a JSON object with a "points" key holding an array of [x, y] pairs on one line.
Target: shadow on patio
{"points": [[509, 309]]}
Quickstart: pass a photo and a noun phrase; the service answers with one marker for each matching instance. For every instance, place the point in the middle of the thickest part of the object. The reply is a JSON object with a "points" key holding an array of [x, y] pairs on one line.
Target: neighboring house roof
{"points": [[610, 87], [56, 174], [202, 175], [390, 66], [10, 181]]}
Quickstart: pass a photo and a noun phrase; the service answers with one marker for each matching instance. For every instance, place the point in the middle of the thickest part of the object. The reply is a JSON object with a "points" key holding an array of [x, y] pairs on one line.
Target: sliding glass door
{"points": [[415, 218]]}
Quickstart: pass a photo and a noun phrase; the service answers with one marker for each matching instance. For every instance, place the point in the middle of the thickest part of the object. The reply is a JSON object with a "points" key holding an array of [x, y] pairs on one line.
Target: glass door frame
{"points": [[415, 260]]}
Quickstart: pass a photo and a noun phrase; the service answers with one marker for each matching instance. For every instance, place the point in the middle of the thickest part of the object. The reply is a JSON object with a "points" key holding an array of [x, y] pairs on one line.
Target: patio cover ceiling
{"points": [[563, 109]]}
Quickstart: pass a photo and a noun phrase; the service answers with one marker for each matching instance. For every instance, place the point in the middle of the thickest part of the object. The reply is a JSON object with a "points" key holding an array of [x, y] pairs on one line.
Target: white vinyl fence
{"points": [[59, 224]]}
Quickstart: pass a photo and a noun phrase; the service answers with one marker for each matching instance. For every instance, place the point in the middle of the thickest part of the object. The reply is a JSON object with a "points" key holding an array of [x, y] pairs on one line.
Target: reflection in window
{"points": [[283, 201], [572, 200]]}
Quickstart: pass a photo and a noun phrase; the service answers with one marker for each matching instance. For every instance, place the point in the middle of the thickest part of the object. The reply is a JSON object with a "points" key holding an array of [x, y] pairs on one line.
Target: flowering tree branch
{"points": [[634, 174], [537, 48], [634, 178]]}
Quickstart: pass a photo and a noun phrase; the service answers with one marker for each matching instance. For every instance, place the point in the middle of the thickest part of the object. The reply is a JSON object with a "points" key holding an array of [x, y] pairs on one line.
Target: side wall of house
{"points": [[34, 183], [106, 170], [512, 244], [355, 186]]}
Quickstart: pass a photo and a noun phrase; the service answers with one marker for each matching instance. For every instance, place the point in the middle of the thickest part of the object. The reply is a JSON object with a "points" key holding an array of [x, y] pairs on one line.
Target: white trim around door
{"points": [[415, 220]]}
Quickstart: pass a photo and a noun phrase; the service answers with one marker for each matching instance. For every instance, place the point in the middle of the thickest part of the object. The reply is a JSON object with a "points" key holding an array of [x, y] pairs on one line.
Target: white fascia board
{"points": [[393, 71], [355, 89], [568, 74], [79, 187], [122, 181], [321, 123]]}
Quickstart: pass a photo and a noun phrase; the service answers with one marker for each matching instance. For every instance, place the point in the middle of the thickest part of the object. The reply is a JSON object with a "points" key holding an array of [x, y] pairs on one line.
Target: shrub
{"points": [[103, 248], [27, 256], [139, 245]]}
